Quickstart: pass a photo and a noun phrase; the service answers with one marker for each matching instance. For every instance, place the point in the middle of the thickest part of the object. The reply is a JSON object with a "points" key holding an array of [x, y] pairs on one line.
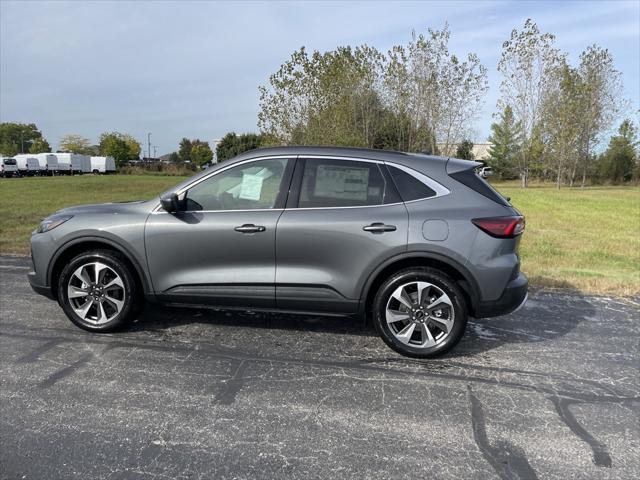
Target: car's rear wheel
{"points": [[98, 292], [420, 312]]}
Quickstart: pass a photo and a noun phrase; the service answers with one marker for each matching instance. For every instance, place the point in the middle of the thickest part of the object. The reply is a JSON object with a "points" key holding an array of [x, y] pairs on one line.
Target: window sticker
{"points": [[251, 186], [334, 181]]}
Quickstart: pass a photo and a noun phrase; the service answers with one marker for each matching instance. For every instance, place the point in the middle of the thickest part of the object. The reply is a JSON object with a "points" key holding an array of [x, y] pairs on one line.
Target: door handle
{"points": [[250, 228], [379, 228]]}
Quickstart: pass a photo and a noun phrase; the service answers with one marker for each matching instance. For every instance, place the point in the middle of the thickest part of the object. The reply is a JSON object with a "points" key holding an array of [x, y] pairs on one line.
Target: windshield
{"points": [[9, 161]]}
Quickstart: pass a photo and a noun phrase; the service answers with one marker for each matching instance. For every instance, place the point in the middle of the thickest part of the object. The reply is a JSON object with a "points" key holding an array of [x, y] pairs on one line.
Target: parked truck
{"points": [[48, 163], [103, 165], [9, 167], [28, 165]]}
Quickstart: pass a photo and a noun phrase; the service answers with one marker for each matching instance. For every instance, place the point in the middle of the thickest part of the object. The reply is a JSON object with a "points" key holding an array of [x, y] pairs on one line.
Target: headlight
{"points": [[52, 222]]}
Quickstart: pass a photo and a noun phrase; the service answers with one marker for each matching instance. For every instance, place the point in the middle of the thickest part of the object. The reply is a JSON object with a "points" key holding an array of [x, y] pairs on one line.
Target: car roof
{"points": [[414, 160], [374, 154]]}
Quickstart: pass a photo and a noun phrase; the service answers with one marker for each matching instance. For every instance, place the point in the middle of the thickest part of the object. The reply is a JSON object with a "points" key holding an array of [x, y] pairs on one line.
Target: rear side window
{"points": [[409, 187], [341, 183]]}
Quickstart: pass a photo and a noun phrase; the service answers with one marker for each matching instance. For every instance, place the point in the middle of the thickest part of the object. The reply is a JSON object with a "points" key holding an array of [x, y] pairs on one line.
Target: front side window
{"points": [[255, 185], [341, 183]]}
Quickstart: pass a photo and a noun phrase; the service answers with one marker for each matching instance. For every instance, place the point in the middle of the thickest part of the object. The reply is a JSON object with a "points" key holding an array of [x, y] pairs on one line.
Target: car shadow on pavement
{"points": [[546, 316]]}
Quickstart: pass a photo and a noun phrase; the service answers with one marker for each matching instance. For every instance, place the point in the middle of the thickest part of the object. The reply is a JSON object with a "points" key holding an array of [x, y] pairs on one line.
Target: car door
{"points": [[221, 249], [343, 218]]}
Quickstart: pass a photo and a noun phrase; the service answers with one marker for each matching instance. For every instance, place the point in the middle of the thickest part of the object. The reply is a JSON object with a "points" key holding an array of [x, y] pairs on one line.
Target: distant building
{"points": [[480, 150]]}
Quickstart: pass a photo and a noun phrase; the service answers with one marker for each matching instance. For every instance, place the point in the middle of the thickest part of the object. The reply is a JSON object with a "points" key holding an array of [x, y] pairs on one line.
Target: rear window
{"points": [[409, 187], [472, 180]]}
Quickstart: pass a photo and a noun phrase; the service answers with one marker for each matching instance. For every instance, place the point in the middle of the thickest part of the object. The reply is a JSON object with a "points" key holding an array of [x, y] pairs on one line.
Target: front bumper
{"points": [[513, 297], [41, 289]]}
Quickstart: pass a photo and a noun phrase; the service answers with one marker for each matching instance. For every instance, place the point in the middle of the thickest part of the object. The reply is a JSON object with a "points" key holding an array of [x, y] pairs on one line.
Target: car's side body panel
{"points": [[306, 259], [199, 255], [321, 249]]}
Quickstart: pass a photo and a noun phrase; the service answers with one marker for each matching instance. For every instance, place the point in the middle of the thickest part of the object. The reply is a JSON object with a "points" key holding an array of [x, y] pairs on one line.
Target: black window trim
{"points": [[439, 189]]}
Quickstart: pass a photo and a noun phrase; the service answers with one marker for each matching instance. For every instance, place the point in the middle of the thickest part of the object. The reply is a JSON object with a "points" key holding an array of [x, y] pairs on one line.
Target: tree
{"points": [[75, 144], [8, 149], [231, 145], [620, 159], [112, 145], [505, 144], [132, 145], [18, 137], [561, 110], [201, 152], [404, 100], [465, 150], [174, 157], [184, 151], [195, 151], [121, 146], [601, 103], [40, 145], [527, 60]]}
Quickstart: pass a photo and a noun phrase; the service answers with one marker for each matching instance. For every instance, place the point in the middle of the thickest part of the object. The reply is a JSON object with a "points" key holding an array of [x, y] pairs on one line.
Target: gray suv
{"points": [[416, 242]]}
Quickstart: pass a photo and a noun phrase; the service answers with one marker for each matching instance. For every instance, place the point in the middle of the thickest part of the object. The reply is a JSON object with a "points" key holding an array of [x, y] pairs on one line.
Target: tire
{"points": [[445, 321], [115, 298]]}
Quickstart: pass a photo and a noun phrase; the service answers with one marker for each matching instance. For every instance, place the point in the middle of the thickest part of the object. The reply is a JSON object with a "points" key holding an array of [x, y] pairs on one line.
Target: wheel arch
{"points": [[74, 247], [450, 267]]}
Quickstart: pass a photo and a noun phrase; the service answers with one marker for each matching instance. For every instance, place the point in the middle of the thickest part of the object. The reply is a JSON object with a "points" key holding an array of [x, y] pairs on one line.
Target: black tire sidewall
{"points": [[130, 290], [441, 281]]}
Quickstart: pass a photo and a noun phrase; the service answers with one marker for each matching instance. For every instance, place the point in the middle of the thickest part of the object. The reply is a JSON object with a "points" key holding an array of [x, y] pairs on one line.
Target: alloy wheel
{"points": [[420, 314], [96, 293]]}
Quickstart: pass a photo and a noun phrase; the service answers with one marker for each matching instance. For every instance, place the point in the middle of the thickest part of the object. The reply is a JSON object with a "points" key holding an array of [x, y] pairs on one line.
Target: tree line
{"points": [[420, 97], [18, 138], [552, 123]]}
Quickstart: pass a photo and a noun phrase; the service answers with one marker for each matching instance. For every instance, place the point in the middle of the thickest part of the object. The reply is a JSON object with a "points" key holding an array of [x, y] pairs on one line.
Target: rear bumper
{"points": [[513, 297]]}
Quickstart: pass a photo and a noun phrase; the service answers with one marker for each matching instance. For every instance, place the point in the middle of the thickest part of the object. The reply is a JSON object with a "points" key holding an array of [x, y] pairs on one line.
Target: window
{"points": [[254, 185], [409, 187], [341, 183]]}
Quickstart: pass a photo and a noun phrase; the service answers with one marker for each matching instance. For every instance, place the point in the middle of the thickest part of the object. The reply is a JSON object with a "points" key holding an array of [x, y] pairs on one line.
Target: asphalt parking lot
{"points": [[552, 391]]}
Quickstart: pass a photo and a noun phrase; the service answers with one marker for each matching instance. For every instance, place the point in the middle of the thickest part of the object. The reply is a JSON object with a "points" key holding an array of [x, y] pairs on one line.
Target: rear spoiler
{"points": [[464, 172], [455, 165]]}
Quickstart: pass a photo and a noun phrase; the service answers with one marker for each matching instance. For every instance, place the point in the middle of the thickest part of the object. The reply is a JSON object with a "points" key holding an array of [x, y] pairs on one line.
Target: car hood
{"points": [[108, 208]]}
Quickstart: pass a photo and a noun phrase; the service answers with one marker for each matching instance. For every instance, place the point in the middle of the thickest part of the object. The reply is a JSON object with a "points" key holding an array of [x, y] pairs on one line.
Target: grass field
{"points": [[584, 239]]}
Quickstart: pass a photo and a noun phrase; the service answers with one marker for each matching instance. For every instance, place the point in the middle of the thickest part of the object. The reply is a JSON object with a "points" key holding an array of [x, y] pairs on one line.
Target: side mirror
{"points": [[170, 202]]}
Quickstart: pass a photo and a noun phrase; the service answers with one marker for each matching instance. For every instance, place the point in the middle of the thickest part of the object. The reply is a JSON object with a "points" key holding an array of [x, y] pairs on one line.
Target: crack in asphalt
{"points": [[508, 460]]}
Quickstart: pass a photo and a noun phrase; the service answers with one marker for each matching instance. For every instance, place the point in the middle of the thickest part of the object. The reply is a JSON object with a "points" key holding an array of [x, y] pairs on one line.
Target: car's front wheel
{"points": [[420, 312], [97, 291]]}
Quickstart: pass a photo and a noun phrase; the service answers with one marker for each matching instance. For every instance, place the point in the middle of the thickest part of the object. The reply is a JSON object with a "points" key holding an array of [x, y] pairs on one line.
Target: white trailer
{"points": [[103, 165], [48, 163], [86, 163], [69, 163], [9, 167], [28, 164]]}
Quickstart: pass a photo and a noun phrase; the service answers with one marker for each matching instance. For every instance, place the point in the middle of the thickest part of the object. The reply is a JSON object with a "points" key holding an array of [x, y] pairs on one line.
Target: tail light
{"points": [[501, 227]]}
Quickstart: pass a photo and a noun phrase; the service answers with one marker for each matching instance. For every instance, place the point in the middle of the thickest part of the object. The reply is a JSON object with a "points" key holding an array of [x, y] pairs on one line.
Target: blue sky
{"points": [[192, 68]]}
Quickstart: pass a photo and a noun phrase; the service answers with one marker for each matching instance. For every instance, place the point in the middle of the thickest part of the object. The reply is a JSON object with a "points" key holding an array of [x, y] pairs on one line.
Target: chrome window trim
{"points": [[337, 157], [440, 189]]}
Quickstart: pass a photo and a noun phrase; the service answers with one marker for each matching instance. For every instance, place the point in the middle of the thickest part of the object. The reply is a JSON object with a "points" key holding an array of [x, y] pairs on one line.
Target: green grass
{"points": [[586, 239], [28, 200]]}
